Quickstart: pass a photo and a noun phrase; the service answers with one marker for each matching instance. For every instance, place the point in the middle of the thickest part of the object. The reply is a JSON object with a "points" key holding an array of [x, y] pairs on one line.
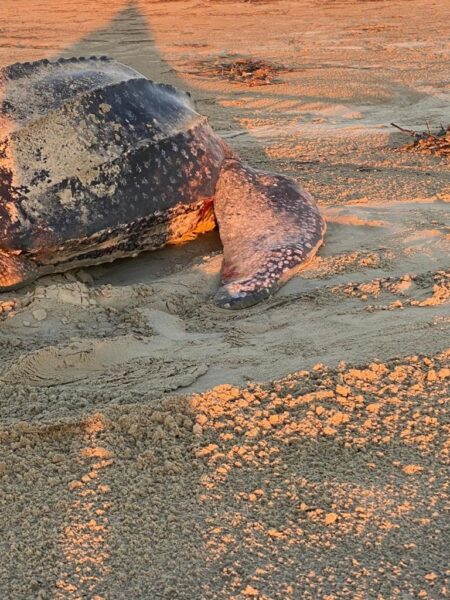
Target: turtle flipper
{"points": [[269, 228], [15, 271]]}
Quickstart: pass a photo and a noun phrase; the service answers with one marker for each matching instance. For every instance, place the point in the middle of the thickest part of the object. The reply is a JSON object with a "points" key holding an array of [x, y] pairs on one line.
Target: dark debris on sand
{"points": [[243, 70], [427, 142]]}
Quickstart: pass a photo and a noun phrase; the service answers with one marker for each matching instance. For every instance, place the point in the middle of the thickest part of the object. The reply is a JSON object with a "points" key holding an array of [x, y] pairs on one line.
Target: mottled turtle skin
{"points": [[97, 162]]}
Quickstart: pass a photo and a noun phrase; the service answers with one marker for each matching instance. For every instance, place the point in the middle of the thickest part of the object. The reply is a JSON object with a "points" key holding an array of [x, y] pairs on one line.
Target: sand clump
{"points": [[400, 288], [331, 463]]}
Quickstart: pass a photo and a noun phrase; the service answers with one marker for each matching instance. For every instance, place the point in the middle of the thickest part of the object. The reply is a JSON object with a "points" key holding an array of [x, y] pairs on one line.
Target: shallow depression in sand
{"points": [[125, 361]]}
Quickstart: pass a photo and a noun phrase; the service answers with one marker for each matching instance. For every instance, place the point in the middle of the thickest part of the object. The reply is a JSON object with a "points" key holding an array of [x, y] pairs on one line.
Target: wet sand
{"points": [[155, 446]]}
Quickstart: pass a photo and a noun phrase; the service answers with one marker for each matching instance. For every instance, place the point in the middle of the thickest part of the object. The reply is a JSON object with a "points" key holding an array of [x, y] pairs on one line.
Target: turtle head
{"points": [[269, 227]]}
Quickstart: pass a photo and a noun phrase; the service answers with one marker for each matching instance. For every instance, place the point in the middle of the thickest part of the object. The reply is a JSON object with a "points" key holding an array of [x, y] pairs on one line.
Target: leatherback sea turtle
{"points": [[97, 162]]}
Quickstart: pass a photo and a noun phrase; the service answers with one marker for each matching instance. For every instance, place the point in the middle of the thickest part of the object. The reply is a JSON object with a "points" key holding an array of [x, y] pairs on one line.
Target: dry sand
{"points": [[154, 446]]}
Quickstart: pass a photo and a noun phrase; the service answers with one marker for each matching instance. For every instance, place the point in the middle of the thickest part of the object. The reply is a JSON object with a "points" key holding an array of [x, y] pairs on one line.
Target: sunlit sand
{"points": [[155, 446]]}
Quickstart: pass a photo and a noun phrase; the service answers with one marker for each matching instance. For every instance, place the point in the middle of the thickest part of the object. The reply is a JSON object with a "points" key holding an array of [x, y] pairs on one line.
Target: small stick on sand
{"points": [[408, 131], [420, 136], [426, 141]]}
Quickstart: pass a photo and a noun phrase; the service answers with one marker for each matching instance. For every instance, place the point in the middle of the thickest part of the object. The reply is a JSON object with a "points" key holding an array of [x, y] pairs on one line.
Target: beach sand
{"points": [[155, 446]]}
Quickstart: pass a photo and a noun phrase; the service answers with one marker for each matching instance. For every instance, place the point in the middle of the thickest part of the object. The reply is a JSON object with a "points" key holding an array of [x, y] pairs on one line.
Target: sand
{"points": [[155, 446]]}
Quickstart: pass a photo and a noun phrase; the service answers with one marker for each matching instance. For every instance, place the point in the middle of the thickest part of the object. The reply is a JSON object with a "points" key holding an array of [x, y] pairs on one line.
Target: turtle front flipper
{"points": [[15, 271], [269, 228]]}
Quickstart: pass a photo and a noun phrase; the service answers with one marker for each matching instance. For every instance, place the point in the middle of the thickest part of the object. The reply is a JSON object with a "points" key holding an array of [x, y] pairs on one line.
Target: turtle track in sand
{"points": [[384, 262]]}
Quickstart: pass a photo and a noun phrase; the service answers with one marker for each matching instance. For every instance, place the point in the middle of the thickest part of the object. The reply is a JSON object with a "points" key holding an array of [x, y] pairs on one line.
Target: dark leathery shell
{"points": [[91, 144], [145, 180]]}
